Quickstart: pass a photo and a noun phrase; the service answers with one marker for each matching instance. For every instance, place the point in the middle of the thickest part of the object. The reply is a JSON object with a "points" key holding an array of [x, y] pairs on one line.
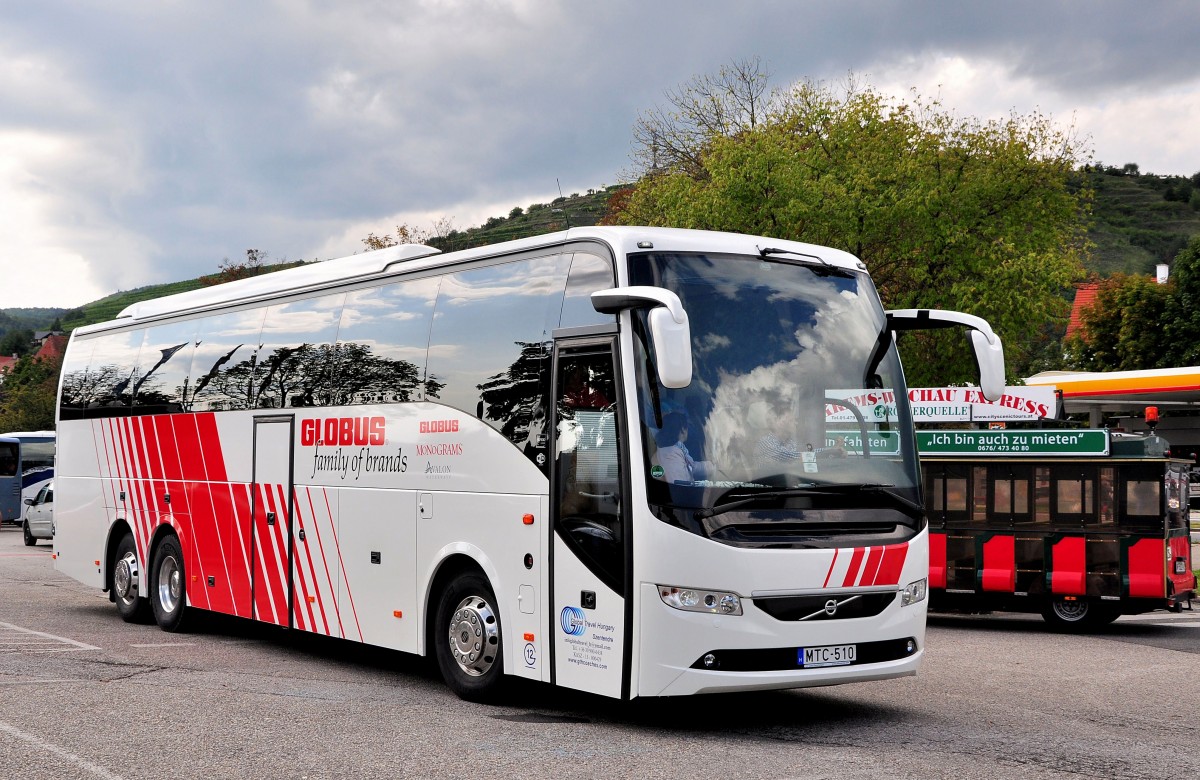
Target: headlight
{"points": [[912, 593], [714, 602]]}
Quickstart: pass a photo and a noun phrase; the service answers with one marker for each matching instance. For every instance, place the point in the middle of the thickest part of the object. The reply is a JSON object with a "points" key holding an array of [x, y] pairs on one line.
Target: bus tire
{"points": [[126, 577], [467, 639], [30, 539], [168, 593], [1071, 616]]}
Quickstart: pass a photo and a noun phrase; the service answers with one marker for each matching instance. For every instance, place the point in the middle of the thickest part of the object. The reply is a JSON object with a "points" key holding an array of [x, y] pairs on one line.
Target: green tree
{"points": [[1122, 330], [231, 271], [1183, 315], [16, 342], [442, 228], [980, 216], [27, 396]]}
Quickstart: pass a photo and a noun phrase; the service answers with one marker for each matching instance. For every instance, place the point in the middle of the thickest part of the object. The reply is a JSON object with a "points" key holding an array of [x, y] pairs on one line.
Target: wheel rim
{"points": [[1070, 611], [474, 636], [170, 584], [125, 578]]}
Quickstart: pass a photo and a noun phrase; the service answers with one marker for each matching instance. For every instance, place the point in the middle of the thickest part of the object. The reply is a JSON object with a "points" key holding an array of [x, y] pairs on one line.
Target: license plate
{"points": [[829, 655]]}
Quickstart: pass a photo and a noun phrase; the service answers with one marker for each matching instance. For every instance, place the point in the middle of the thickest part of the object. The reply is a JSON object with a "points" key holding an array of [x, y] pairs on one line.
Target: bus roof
{"points": [[383, 263], [27, 435]]}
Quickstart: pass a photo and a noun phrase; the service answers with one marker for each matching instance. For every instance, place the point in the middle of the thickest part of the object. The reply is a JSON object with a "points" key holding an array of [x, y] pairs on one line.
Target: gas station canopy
{"points": [[1123, 391]]}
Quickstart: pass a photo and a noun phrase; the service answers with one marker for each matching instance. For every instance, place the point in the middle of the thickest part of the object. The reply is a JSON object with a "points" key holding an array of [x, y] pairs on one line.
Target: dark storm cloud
{"points": [[201, 130]]}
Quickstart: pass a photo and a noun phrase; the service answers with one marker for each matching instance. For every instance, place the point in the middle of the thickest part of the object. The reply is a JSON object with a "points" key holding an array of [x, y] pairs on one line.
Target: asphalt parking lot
{"points": [[85, 695]]}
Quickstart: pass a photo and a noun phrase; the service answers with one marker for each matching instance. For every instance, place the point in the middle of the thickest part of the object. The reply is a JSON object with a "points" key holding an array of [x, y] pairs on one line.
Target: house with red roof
{"points": [[1085, 296], [51, 346]]}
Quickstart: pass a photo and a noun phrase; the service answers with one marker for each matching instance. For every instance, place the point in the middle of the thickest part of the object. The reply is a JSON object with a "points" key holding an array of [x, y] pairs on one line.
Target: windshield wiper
{"points": [[814, 489], [824, 269]]}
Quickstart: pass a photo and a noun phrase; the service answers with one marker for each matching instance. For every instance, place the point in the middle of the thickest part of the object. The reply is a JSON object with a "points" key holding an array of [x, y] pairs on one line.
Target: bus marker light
{"points": [[527, 519], [397, 613], [312, 599], [97, 563], [528, 637]]}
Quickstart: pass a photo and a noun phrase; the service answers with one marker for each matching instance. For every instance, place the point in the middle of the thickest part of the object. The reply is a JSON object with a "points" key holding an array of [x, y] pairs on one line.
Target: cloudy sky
{"points": [[145, 142]]}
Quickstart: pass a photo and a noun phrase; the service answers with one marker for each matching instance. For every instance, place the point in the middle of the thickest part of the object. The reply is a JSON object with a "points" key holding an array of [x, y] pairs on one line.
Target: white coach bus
{"points": [[617, 460]]}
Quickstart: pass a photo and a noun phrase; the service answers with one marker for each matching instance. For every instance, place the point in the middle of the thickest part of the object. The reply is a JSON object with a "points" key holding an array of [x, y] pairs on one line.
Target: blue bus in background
{"points": [[26, 464]]}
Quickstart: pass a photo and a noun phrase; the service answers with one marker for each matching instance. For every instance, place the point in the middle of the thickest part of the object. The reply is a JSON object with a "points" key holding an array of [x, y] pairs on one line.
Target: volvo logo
{"points": [[831, 607]]}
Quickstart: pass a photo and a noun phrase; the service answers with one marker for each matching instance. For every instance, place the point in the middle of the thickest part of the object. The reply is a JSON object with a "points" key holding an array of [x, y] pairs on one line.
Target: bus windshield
{"points": [[793, 392]]}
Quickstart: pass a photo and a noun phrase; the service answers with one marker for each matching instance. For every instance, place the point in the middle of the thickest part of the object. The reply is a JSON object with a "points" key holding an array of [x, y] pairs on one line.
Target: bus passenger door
{"points": [[270, 521], [591, 538]]}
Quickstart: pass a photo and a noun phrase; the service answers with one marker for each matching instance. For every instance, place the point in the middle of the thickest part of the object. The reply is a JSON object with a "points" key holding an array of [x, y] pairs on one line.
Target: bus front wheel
{"points": [[467, 638], [126, 578], [168, 595]]}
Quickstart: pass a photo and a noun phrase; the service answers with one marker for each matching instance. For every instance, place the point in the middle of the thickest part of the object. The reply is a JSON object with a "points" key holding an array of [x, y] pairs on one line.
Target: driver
{"points": [[677, 463]]}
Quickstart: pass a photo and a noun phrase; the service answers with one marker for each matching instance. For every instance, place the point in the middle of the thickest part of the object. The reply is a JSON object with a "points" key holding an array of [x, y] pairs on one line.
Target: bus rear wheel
{"points": [[168, 594], [126, 578], [467, 639]]}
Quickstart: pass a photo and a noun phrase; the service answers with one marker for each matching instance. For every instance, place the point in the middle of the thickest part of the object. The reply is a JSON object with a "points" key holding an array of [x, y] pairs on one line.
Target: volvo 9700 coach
{"points": [[619, 460]]}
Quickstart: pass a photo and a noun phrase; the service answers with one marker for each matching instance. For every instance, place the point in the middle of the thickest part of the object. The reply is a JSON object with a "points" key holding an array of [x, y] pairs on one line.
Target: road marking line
{"points": [[167, 644], [80, 645], [82, 763]]}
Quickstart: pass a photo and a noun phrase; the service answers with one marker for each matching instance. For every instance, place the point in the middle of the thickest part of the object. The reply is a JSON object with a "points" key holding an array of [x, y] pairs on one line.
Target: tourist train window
{"points": [[947, 486], [1041, 495], [1142, 497], [1107, 514], [979, 494], [1075, 494], [1010, 493]]}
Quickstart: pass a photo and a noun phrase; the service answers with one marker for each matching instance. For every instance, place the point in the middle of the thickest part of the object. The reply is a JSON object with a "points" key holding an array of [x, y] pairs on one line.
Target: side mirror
{"points": [[989, 352], [669, 328], [29, 502]]}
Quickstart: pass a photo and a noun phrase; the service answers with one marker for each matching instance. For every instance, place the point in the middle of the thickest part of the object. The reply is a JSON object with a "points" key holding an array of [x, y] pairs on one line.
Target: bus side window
{"points": [[488, 343], [113, 373], [589, 273], [8, 460], [292, 366], [382, 339]]}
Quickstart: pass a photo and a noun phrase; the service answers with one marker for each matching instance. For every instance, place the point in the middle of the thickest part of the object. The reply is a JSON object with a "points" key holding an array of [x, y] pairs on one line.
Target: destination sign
{"points": [[1065, 443], [880, 442]]}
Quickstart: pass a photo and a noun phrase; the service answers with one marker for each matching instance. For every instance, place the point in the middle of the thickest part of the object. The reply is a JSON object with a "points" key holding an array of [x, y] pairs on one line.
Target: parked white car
{"points": [[39, 515]]}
